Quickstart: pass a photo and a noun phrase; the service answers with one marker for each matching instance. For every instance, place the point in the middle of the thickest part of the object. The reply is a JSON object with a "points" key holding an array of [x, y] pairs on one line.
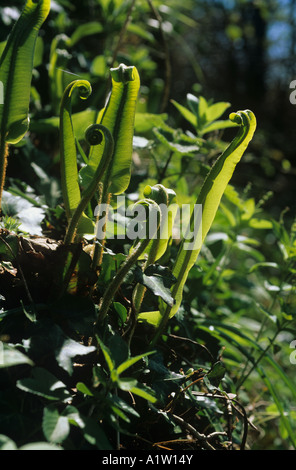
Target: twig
{"points": [[242, 413], [201, 437], [188, 340]]}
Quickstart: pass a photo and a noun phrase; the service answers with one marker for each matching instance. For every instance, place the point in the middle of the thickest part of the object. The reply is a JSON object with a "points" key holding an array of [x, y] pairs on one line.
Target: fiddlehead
{"points": [[165, 199], [134, 255], [95, 134], [68, 158], [209, 200]]}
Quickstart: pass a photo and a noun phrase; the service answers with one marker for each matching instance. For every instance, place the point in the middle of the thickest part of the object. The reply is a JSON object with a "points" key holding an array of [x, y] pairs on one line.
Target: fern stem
{"points": [[91, 189], [3, 164], [119, 277]]}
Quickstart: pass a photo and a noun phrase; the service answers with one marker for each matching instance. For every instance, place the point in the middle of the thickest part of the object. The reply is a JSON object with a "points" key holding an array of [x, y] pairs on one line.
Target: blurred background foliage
{"points": [[241, 52]]}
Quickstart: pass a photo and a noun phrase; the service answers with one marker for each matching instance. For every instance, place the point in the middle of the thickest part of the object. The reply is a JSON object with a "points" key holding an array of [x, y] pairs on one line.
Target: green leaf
{"points": [[186, 113], [94, 434], [68, 350], [55, 427], [130, 362], [40, 446], [216, 374], [264, 264], [144, 392], [10, 356], [16, 65], [44, 384], [81, 387], [121, 310], [159, 280], [217, 125], [216, 110], [126, 383], [145, 122], [107, 355], [6, 443], [182, 147], [29, 216]]}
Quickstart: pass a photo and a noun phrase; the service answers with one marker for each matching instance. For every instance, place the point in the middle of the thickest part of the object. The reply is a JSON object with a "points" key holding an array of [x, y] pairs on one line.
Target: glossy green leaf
{"points": [[10, 356], [44, 384], [55, 427], [16, 65], [158, 280]]}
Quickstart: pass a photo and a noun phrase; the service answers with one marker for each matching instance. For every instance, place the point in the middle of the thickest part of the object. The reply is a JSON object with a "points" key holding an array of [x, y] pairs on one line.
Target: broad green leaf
{"points": [[10, 356], [209, 199], [126, 383], [6, 443], [182, 147], [16, 65], [202, 112], [118, 118], [21, 209], [158, 280], [68, 350], [44, 384], [153, 317], [55, 427], [40, 446], [260, 223]]}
